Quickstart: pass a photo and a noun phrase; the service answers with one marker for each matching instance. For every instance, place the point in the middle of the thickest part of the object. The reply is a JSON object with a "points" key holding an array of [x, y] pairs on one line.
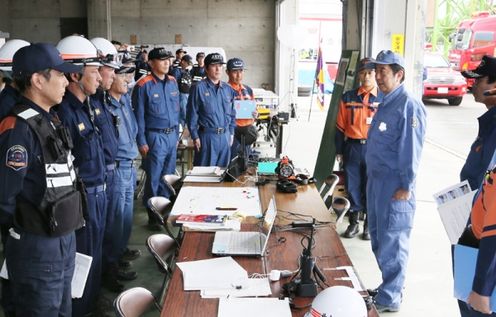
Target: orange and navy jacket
{"points": [[483, 220], [243, 92], [356, 109]]}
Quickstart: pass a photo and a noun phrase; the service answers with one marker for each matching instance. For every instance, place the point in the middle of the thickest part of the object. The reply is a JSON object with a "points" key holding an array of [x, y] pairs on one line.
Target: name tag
{"points": [[368, 120], [97, 111], [81, 127]]}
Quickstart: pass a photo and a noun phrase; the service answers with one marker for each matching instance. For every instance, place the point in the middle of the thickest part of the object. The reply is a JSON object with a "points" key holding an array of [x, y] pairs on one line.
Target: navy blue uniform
{"points": [[40, 267], [198, 73], [156, 106], [8, 98], [481, 150], [211, 118], [125, 176], [394, 145], [89, 161], [107, 124]]}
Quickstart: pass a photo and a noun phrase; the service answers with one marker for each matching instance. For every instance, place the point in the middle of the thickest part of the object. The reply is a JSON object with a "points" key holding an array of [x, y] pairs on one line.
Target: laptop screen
{"points": [[268, 222]]}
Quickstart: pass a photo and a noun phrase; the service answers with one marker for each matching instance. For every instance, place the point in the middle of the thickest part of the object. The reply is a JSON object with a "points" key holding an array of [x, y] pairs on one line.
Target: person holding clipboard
{"points": [[244, 101]]}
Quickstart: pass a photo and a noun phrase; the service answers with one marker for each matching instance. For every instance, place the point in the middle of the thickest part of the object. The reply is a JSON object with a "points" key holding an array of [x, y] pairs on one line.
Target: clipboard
{"points": [[245, 108]]}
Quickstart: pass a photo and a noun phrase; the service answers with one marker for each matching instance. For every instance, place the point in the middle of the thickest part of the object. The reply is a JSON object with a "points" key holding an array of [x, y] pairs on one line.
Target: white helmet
{"points": [[338, 301], [107, 52], [7, 52], [78, 51]]}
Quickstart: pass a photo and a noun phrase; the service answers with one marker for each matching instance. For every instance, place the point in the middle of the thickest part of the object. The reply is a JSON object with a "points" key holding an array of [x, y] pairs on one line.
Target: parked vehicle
{"points": [[441, 81], [473, 39]]}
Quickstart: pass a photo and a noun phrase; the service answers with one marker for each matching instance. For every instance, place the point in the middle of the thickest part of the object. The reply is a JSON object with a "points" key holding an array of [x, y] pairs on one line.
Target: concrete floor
{"points": [[429, 285]]}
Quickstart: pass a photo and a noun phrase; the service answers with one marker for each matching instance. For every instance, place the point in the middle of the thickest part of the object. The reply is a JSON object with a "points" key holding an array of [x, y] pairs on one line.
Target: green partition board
{"points": [[345, 80]]}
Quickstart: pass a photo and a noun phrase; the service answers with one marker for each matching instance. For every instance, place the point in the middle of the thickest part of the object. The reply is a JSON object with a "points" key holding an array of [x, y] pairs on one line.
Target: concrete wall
{"points": [[38, 20], [244, 28]]}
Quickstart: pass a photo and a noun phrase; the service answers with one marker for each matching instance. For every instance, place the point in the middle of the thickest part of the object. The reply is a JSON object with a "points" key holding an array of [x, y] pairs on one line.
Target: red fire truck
{"points": [[473, 39]]}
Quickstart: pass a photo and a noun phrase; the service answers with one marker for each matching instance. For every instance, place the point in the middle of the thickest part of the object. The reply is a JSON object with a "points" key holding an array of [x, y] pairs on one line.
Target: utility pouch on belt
{"points": [[65, 215]]}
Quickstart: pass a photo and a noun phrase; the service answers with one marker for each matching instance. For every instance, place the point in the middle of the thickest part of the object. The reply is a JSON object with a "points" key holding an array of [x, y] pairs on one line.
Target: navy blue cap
{"points": [[40, 56], [387, 57], [214, 58], [187, 58], [180, 50], [159, 53], [365, 63], [486, 67], [235, 64]]}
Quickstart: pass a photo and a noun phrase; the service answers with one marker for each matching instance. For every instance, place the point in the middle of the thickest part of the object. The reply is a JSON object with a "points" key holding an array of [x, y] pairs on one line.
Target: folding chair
{"points": [[161, 246], [340, 205], [134, 302]]}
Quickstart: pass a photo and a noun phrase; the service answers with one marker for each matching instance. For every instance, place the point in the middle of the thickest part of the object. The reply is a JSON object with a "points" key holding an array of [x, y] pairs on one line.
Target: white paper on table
{"points": [[81, 271], [214, 273], [253, 287], [194, 200], [202, 179], [454, 206], [249, 307], [205, 171]]}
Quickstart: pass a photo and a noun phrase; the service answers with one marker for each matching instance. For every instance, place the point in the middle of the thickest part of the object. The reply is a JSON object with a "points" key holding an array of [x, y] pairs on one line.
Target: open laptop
{"points": [[248, 243]]}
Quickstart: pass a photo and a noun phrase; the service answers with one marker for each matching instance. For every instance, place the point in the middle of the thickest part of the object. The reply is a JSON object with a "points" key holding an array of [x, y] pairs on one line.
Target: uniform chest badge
{"points": [[17, 158], [81, 127], [97, 111], [415, 122], [207, 94], [155, 95], [382, 126]]}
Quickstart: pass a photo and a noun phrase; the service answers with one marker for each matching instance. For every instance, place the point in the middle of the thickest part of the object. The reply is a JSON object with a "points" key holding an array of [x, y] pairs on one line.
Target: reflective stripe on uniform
{"points": [[29, 113], [53, 182]]}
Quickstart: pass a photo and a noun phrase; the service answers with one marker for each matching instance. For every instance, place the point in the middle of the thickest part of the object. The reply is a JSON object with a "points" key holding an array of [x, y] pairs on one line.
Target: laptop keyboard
{"points": [[242, 242]]}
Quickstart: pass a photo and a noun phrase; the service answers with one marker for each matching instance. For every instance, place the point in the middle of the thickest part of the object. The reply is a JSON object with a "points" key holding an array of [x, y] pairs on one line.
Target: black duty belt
{"points": [[212, 130], [165, 130], [124, 163], [359, 141]]}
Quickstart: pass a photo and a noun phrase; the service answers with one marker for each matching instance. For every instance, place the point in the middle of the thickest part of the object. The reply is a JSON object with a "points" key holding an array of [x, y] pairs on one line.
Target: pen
{"points": [[226, 208]]}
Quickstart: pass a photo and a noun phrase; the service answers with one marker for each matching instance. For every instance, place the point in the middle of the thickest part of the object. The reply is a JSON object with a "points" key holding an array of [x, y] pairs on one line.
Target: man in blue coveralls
{"points": [[395, 142], [156, 106], [38, 185], [78, 115], [482, 149], [211, 116], [121, 206]]}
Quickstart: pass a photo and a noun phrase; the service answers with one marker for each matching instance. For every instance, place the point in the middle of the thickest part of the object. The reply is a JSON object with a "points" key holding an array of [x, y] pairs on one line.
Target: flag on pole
{"points": [[319, 80]]}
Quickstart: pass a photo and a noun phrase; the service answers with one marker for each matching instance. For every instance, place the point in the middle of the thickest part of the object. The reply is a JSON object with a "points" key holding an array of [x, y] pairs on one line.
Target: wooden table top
{"points": [[282, 253]]}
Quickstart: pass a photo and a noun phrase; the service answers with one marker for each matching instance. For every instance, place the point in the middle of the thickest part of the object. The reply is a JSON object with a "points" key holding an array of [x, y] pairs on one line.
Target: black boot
{"points": [[353, 228], [366, 234], [110, 280]]}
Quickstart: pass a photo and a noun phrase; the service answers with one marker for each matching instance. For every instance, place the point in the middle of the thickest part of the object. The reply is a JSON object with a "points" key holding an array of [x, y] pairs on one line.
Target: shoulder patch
{"points": [[7, 124], [17, 158], [144, 80]]}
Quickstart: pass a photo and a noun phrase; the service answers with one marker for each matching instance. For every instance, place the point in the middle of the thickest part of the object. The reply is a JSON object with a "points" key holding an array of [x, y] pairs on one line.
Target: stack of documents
{"points": [[221, 277], [228, 225], [212, 274], [204, 174]]}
